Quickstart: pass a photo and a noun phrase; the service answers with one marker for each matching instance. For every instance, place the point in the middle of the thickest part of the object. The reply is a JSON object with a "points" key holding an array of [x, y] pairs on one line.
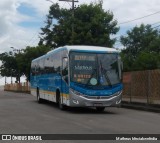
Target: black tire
{"points": [[60, 104], [39, 100], [100, 109]]}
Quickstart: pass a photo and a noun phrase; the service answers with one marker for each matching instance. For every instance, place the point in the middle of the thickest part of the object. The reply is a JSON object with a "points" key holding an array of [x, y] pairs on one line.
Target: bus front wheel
{"points": [[60, 104], [100, 109]]}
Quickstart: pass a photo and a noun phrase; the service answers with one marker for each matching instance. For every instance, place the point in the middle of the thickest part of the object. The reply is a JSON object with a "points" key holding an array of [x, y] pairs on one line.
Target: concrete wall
{"points": [[18, 87]]}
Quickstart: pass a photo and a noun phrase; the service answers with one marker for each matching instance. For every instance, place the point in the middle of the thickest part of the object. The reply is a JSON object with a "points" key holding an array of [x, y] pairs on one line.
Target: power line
{"points": [[150, 24], [119, 23], [139, 18], [118, 42]]}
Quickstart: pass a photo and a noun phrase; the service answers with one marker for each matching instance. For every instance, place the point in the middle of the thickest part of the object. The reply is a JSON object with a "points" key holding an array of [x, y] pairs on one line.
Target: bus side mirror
{"points": [[65, 62]]}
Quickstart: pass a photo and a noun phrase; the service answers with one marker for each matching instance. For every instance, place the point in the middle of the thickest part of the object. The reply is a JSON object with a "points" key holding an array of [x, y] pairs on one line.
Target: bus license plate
{"points": [[97, 104]]}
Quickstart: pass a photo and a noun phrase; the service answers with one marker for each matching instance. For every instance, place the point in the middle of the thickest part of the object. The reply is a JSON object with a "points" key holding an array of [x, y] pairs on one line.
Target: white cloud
{"points": [[14, 35], [10, 32], [132, 9]]}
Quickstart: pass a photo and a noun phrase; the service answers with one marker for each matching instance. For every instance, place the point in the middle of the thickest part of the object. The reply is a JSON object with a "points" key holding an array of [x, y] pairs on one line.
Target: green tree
{"points": [[92, 26], [141, 48], [9, 65], [18, 64], [146, 61]]}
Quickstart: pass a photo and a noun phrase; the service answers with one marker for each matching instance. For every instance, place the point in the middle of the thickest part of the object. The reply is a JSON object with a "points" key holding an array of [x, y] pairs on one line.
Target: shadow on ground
{"points": [[78, 110]]}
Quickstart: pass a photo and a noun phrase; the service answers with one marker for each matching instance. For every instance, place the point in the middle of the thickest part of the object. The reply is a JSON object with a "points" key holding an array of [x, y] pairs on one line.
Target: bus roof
{"points": [[85, 48], [90, 48], [82, 48]]}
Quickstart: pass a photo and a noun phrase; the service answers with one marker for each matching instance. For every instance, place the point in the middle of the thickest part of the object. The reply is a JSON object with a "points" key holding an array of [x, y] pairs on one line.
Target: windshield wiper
{"points": [[104, 72], [107, 77]]}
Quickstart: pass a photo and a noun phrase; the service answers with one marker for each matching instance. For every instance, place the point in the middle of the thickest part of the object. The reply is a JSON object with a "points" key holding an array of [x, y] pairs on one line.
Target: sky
{"points": [[21, 20]]}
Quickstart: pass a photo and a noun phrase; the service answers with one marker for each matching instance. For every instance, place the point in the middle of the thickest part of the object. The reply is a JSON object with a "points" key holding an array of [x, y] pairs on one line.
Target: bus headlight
{"points": [[77, 93]]}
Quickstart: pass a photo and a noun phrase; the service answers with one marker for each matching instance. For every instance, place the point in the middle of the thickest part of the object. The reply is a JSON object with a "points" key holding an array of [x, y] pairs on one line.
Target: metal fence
{"points": [[142, 86]]}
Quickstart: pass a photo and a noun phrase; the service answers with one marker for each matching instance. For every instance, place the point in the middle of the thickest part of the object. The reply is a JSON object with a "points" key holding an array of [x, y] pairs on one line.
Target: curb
{"points": [[141, 106]]}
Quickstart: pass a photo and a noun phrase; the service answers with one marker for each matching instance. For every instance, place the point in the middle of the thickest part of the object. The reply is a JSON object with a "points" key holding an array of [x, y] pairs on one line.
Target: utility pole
{"points": [[73, 1]]}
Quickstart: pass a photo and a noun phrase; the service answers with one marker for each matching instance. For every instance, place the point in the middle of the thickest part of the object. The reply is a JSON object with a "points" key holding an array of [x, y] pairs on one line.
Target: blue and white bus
{"points": [[78, 76]]}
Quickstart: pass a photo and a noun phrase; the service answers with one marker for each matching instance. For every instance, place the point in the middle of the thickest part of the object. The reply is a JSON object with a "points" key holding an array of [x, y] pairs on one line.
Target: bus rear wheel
{"points": [[100, 109]]}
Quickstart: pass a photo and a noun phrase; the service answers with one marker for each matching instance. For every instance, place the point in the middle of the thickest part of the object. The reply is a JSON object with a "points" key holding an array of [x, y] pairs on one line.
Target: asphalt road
{"points": [[21, 114]]}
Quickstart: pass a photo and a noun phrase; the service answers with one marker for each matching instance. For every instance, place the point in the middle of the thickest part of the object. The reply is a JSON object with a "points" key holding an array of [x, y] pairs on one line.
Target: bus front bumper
{"points": [[95, 101]]}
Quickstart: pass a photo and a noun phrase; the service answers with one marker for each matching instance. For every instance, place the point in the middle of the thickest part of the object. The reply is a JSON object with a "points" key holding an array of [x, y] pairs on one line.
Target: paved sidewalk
{"points": [[141, 106]]}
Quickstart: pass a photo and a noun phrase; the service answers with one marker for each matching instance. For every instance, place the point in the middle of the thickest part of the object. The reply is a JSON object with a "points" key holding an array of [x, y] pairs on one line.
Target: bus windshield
{"points": [[94, 69]]}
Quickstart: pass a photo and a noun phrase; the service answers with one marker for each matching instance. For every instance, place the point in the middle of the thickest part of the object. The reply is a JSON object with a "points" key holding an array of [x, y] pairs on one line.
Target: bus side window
{"points": [[41, 66], [36, 68], [53, 64], [46, 67]]}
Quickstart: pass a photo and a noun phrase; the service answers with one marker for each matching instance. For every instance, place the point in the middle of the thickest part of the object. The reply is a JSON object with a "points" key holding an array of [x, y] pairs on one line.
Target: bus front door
{"points": [[64, 79]]}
